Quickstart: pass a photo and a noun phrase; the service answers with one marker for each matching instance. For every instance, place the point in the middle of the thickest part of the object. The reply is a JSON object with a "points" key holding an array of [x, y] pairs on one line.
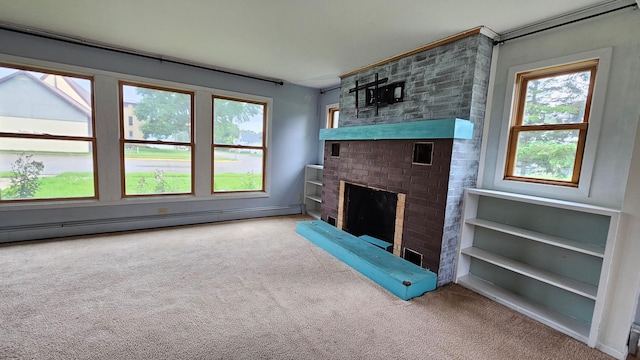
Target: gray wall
{"points": [[294, 143]]}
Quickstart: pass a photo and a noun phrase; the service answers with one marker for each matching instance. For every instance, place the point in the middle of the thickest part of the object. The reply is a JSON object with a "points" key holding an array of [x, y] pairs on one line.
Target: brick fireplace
{"points": [[387, 165], [443, 83]]}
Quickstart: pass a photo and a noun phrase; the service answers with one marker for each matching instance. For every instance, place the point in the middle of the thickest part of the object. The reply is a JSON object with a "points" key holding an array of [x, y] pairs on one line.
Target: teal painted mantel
{"points": [[423, 129]]}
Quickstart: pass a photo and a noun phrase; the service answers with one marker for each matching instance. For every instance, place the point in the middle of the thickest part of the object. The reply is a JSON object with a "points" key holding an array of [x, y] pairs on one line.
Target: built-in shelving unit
{"points": [[313, 190], [548, 259]]}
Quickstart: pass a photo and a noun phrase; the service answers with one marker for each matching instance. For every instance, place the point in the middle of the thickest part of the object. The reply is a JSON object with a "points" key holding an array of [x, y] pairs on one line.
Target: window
{"points": [[47, 138], [130, 120], [549, 124], [333, 117], [239, 146], [160, 159]]}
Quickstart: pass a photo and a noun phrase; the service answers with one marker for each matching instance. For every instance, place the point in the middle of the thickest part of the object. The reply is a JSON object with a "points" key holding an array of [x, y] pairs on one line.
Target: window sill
{"points": [[576, 193]]}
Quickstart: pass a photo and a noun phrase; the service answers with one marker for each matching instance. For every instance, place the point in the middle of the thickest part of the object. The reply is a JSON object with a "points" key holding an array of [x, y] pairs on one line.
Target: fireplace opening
{"points": [[370, 212]]}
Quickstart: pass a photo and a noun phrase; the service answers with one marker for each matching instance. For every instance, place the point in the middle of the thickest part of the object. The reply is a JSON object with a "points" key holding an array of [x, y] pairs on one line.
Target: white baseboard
{"points": [[621, 355]]}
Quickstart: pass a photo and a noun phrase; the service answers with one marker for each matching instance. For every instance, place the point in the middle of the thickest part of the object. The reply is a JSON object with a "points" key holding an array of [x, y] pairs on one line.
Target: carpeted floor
{"points": [[249, 289]]}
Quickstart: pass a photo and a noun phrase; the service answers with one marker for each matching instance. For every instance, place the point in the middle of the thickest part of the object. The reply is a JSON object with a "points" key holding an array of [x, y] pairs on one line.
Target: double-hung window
{"points": [[47, 138], [239, 145], [550, 121], [333, 117], [157, 154]]}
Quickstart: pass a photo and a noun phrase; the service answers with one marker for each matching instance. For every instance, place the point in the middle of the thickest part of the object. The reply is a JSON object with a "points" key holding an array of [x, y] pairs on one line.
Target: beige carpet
{"points": [[239, 290]]}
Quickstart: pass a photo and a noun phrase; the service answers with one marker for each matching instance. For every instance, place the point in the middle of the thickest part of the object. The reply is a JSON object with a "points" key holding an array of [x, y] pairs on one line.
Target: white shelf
{"points": [[313, 190], [314, 198], [569, 205], [563, 282], [561, 322], [314, 213], [588, 252], [584, 248]]}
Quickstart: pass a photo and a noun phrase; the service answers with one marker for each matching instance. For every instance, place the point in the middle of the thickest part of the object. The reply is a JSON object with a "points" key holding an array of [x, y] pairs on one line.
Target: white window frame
{"points": [[593, 134]]}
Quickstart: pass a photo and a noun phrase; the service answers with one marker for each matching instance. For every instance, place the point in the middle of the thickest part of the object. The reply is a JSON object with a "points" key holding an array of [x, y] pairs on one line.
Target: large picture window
{"points": [[47, 139], [549, 124], [156, 140], [239, 146]]}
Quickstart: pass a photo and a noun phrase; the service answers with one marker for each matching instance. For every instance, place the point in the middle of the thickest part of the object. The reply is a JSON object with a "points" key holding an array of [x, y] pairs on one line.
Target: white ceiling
{"points": [[307, 42]]}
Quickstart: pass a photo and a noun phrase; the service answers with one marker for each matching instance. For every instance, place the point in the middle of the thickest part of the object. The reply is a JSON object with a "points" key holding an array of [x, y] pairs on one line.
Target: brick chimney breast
{"points": [[448, 81]]}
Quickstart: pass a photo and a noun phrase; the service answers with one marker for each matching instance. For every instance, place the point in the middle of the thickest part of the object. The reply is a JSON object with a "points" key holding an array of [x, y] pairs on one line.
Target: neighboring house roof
{"points": [[78, 90], [49, 89], [247, 138]]}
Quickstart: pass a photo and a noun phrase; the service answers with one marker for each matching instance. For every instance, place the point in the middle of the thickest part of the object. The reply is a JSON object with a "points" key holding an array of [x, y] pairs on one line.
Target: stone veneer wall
{"points": [[444, 82]]}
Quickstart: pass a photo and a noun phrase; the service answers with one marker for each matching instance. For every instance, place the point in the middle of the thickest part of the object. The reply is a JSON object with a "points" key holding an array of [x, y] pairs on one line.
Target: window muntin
{"points": [[157, 157], [549, 124], [47, 138], [239, 146]]}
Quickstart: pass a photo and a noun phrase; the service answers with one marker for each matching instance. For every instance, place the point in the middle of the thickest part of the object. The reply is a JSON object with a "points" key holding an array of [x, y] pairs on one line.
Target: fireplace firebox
{"points": [[370, 212]]}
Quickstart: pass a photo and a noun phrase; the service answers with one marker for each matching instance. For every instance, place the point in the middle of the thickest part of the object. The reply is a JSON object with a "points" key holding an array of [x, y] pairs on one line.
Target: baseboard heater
{"points": [[96, 226]]}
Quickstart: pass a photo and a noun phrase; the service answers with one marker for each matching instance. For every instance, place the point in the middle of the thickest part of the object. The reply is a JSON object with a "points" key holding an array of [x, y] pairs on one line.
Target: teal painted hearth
{"points": [[402, 278], [423, 129]]}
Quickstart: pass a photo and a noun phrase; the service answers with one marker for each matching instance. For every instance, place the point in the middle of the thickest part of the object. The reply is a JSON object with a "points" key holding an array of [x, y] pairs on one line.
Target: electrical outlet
{"points": [[163, 211], [299, 197]]}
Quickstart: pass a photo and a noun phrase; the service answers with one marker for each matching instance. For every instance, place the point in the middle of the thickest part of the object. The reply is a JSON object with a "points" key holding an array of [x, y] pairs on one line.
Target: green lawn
{"points": [[66, 185], [237, 182], [74, 184], [157, 183]]}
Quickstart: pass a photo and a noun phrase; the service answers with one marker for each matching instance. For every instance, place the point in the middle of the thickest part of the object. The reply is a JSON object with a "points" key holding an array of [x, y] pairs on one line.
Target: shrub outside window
{"points": [[549, 124], [239, 145], [47, 139], [157, 154]]}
